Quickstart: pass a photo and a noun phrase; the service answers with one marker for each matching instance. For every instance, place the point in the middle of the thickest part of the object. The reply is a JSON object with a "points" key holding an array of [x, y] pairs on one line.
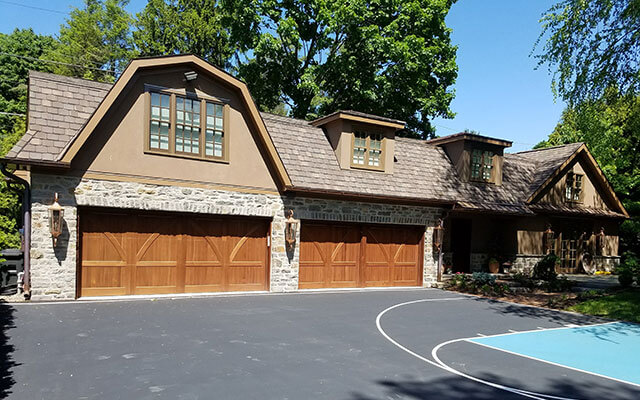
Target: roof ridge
{"points": [[284, 117], [547, 148], [71, 80]]}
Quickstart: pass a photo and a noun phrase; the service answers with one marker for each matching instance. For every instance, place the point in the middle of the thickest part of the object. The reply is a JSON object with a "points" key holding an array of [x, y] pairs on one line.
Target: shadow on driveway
{"points": [[6, 350], [456, 388]]}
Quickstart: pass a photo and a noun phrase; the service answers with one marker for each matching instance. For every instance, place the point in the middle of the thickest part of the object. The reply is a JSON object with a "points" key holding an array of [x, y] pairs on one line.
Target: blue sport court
{"points": [[608, 350]]}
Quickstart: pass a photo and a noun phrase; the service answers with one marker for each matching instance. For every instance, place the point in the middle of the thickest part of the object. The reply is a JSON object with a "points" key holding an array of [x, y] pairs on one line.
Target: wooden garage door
{"points": [[124, 254], [334, 256]]}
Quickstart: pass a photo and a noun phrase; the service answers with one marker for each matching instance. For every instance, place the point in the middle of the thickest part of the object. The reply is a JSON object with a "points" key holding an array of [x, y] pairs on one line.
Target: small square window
{"points": [[481, 165], [367, 150]]}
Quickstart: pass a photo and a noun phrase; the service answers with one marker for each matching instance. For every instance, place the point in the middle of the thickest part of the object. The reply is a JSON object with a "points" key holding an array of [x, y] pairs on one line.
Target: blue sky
{"points": [[498, 92]]}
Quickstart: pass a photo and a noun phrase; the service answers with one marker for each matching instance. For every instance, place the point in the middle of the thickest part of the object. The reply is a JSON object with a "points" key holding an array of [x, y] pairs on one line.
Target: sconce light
{"points": [[290, 230], [548, 238], [600, 242], [56, 213], [438, 234]]}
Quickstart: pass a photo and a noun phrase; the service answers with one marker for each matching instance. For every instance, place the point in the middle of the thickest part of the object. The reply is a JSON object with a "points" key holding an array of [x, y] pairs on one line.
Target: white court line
{"points": [[444, 366], [554, 363], [481, 335], [439, 364]]}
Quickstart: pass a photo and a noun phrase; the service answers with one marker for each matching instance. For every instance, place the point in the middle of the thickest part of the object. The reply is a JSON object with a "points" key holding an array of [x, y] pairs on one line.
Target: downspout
{"points": [[445, 215], [26, 226]]}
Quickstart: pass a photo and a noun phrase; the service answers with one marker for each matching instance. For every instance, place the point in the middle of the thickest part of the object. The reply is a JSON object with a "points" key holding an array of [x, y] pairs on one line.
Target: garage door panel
{"points": [[359, 256], [152, 254]]}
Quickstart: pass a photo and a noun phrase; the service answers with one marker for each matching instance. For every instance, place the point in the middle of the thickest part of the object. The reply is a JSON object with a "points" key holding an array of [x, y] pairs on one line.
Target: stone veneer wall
{"points": [[53, 270], [479, 262], [526, 262]]}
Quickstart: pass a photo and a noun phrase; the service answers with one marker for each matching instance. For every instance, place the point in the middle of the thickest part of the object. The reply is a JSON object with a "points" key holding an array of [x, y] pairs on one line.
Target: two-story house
{"points": [[171, 181]]}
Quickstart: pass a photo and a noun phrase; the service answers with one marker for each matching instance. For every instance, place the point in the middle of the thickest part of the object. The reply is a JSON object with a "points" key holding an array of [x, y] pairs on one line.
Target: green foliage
{"points": [[187, 26], [94, 39], [560, 284], [545, 269], [625, 278], [483, 278], [14, 71], [524, 280], [590, 46], [623, 305], [390, 58], [478, 282], [610, 127], [9, 200]]}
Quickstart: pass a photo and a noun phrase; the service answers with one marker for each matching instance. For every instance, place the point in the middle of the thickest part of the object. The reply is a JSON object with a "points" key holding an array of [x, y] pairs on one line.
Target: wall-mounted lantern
{"points": [[548, 241], [600, 242], [56, 213], [438, 235], [290, 230]]}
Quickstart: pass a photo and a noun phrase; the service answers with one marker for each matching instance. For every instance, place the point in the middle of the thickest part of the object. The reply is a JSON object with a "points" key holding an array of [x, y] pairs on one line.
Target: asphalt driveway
{"points": [[296, 346]]}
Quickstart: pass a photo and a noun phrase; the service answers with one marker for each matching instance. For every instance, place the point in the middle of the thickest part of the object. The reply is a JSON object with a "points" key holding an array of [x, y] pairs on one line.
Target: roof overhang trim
{"points": [[356, 118]]}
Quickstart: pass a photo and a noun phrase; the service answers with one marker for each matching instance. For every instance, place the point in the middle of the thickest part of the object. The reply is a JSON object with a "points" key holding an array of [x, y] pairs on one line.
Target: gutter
{"points": [[26, 226]]}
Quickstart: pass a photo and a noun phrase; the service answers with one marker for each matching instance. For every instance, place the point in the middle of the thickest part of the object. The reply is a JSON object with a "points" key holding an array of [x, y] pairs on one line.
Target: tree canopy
{"points": [[390, 58], [95, 42], [590, 46]]}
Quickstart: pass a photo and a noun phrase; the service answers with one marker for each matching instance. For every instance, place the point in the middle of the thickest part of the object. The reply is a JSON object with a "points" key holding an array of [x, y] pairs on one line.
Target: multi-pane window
{"points": [[186, 126], [568, 253], [214, 133], [367, 149], [573, 189], [160, 121], [481, 165]]}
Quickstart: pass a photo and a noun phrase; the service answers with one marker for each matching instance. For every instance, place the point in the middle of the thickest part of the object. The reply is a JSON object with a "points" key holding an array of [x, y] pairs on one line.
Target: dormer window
{"points": [[573, 189], [481, 165], [187, 126], [367, 150]]}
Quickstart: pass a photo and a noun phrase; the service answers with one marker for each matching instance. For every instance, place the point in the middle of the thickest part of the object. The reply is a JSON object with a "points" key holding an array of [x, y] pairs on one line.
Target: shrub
{"points": [[561, 284], [524, 280], [545, 269], [625, 277], [483, 278]]}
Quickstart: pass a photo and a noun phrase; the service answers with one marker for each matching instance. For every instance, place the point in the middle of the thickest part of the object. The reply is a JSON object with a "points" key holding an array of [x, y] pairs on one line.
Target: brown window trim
{"points": [[573, 188], [172, 126], [482, 167], [383, 149]]}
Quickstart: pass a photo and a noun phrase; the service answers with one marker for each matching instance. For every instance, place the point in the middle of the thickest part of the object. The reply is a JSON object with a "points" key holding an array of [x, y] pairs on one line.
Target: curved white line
{"points": [[441, 365]]}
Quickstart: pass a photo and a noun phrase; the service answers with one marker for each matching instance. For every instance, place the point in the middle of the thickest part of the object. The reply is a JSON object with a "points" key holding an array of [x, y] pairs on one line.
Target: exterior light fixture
{"points": [[548, 241], [600, 242], [56, 213], [191, 75], [438, 234], [290, 230]]}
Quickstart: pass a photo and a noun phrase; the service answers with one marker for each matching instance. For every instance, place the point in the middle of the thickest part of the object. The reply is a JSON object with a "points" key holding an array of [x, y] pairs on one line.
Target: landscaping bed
{"points": [[544, 288]]}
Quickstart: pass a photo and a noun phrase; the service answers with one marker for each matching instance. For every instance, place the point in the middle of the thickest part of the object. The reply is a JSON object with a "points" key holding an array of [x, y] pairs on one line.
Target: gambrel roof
{"points": [[62, 111]]}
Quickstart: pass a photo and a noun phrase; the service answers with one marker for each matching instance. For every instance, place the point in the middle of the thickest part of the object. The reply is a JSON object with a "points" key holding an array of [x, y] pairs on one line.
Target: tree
{"points": [[185, 26], [391, 58], [95, 41], [590, 46], [610, 127], [19, 53]]}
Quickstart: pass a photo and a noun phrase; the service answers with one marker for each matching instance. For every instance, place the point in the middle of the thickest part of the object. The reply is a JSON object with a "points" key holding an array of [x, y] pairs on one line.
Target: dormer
{"points": [[361, 141], [476, 158]]}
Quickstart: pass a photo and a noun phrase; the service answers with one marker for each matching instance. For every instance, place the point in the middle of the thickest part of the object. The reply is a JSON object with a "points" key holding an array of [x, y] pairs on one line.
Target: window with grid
{"points": [[367, 149], [568, 253], [160, 121], [214, 132], [195, 128], [187, 126], [481, 165], [573, 189]]}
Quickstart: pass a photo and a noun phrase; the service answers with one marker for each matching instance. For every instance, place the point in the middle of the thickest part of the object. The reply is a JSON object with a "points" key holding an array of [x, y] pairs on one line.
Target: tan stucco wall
{"points": [[340, 135], [459, 153], [591, 198], [117, 145]]}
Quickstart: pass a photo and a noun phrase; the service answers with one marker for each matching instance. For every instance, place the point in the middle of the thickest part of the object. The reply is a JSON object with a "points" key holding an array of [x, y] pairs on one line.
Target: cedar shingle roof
{"points": [[60, 106]]}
